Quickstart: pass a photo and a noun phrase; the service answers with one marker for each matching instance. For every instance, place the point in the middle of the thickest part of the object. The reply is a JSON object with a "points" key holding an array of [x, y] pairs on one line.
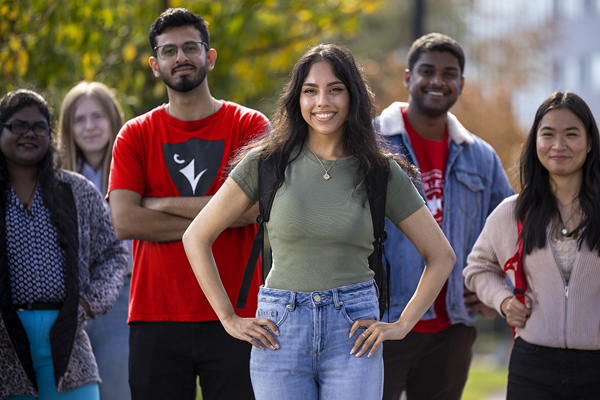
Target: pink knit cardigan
{"points": [[563, 316]]}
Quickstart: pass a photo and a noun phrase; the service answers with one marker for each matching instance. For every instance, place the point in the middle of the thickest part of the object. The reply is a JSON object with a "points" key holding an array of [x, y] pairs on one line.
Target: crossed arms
{"points": [[163, 219]]}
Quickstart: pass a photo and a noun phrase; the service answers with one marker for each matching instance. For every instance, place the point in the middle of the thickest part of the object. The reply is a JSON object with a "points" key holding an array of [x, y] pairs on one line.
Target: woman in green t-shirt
{"points": [[318, 311]]}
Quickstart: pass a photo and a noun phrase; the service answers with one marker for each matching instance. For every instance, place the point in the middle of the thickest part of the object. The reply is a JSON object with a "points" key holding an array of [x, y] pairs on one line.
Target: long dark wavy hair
{"points": [[537, 205], [289, 130], [11, 103]]}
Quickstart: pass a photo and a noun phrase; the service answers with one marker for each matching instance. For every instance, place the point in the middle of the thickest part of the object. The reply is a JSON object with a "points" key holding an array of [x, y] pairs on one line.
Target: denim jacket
{"points": [[474, 184]]}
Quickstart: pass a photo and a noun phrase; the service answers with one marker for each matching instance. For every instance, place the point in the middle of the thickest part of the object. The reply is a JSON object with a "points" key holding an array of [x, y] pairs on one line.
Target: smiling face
{"points": [[183, 73], [91, 127], [434, 83], [562, 143], [24, 150], [324, 101]]}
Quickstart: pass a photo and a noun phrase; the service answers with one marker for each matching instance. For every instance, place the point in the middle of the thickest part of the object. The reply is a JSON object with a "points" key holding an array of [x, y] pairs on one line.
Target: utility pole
{"points": [[418, 18]]}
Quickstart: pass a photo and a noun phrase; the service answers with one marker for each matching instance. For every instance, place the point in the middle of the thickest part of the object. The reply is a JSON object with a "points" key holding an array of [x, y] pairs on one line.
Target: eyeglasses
{"points": [[190, 49], [19, 128]]}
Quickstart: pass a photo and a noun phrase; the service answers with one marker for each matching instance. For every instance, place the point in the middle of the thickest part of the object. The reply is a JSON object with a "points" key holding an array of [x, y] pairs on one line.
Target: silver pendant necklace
{"points": [[326, 176], [564, 229]]}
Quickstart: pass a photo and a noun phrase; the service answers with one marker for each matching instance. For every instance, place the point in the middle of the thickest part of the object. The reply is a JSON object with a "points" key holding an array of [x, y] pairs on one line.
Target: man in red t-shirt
{"points": [[462, 182], [166, 166]]}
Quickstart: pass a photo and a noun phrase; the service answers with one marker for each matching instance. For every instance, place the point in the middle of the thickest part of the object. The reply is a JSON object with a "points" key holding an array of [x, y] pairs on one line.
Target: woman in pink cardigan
{"points": [[556, 354]]}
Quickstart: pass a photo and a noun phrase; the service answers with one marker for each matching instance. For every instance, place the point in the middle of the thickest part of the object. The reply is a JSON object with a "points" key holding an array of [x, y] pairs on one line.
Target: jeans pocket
{"points": [[364, 307], [275, 312], [524, 347]]}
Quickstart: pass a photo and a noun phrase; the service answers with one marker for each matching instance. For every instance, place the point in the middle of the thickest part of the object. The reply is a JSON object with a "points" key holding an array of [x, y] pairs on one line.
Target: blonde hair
{"points": [[68, 149]]}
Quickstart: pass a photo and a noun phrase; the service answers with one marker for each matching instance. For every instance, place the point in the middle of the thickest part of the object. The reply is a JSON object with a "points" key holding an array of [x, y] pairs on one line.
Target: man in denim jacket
{"points": [[462, 182]]}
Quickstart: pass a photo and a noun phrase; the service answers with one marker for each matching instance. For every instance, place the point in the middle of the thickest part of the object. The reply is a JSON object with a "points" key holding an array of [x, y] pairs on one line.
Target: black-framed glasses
{"points": [[190, 49], [19, 128]]}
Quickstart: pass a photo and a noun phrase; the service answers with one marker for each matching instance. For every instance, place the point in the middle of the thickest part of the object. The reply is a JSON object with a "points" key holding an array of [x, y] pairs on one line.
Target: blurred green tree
{"points": [[50, 45]]}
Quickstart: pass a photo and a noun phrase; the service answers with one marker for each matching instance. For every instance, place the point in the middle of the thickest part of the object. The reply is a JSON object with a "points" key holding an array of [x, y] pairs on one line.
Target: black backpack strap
{"points": [[382, 275], [266, 194]]}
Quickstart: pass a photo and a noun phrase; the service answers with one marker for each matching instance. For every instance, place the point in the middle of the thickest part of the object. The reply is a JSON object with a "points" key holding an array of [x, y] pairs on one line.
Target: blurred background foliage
{"points": [[50, 45]]}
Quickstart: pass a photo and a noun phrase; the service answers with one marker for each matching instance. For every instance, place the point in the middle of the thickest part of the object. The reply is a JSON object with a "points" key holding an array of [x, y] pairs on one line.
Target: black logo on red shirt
{"points": [[194, 165]]}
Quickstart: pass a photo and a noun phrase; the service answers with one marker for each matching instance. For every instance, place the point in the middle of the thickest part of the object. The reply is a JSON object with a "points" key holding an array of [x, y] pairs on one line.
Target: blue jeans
{"points": [[109, 335], [314, 360], [37, 324]]}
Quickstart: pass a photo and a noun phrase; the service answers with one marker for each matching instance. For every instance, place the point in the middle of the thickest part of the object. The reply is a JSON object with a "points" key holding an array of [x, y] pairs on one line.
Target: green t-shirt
{"points": [[320, 232]]}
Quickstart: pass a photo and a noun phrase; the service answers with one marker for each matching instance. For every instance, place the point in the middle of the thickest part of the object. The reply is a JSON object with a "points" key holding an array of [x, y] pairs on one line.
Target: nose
{"points": [[437, 79], [29, 132], [322, 99], [559, 142], [89, 123], [181, 56]]}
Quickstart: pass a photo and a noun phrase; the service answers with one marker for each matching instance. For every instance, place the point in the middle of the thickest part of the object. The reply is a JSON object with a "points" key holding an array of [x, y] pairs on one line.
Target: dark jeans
{"points": [[428, 366], [545, 373], [165, 358]]}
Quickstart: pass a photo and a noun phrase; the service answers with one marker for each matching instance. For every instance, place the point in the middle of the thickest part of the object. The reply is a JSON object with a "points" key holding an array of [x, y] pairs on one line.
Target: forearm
{"points": [[132, 221], [190, 207], [229, 203], [206, 272], [185, 207], [152, 226]]}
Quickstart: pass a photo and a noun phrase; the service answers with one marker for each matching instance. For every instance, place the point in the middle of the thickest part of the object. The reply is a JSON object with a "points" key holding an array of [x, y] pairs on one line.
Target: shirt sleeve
{"points": [[127, 165], [245, 174], [402, 199], [257, 126]]}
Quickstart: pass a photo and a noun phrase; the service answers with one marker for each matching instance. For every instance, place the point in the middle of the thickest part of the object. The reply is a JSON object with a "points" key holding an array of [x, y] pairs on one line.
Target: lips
{"points": [[183, 68], [28, 145], [92, 137], [434, 93], [324, 116]]}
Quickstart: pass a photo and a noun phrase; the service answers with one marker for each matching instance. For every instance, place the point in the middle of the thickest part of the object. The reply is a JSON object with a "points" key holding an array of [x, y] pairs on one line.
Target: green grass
{"points": [[198, 391], [484, 380]]}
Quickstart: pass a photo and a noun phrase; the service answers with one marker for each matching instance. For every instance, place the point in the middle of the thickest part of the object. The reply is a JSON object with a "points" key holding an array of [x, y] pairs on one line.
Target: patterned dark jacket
{"points": [[95, 270]]}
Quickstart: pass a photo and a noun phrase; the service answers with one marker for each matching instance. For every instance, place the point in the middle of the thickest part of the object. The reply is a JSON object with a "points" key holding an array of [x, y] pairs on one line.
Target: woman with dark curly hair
{"points": [[60, 262], [556, 354], [320, 291]]}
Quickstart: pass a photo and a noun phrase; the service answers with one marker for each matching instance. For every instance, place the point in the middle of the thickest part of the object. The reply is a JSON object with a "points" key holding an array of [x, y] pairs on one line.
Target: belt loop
{"points": [[336, 301], [292, 305]]}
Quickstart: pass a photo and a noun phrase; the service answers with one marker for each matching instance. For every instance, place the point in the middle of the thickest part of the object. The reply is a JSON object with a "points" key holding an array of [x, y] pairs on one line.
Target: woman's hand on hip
{"points": [[516, 312], [376, 332], [251, 330]]}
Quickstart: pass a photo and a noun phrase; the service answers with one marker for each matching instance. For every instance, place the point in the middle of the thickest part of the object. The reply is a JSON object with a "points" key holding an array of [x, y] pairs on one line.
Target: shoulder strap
{"points": [[516, 264], [266, 194], [382, 275]]}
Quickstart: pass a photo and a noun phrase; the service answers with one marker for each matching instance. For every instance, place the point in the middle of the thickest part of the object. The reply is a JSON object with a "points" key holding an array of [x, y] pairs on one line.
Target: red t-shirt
{"points": [[157, 155], [432, 157]]}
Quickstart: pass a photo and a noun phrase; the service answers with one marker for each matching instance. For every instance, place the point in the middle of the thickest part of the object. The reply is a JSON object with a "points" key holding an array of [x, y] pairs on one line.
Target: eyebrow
{"points": [[329, 84], [433, 66], [27, 122], [549, 128]]}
